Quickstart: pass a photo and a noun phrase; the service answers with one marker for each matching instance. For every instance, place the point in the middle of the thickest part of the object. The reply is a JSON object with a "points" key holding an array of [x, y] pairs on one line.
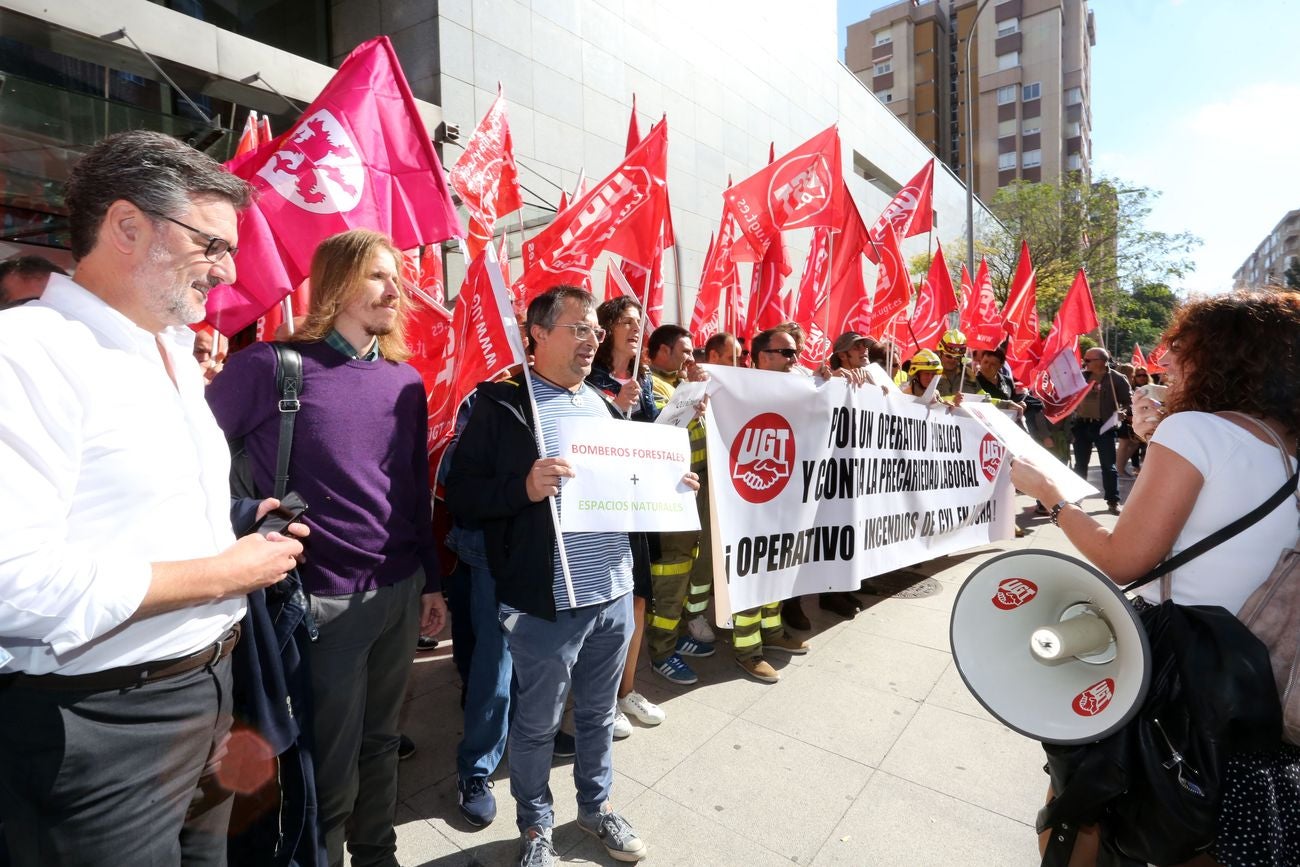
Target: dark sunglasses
{"points": [[216, 247], [788, 353]]}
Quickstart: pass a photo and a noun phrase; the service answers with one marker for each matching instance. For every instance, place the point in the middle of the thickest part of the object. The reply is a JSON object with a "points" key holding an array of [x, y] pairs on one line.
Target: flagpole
{"points": [[286, 312], [498, 286], [677, 278], [621, 280]]}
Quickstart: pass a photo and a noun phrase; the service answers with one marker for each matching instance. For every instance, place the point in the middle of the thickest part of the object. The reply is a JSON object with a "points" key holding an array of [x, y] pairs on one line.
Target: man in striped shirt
{"points": [[500, 481]]}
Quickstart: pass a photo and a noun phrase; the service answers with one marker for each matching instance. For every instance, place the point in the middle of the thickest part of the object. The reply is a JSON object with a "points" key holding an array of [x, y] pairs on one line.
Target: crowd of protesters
{"points": [[156, 631]]}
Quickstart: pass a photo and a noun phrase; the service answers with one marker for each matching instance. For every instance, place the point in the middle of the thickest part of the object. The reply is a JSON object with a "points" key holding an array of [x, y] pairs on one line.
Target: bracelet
{"points": [[1056, 511]]}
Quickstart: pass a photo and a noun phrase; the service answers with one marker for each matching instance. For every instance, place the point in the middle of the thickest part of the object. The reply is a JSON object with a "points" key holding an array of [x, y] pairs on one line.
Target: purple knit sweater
{"points": [[359, 460]]}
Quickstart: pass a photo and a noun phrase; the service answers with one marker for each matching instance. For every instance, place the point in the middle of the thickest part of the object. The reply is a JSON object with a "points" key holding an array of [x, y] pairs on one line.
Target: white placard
{"points": [[879, 376], [680, 409], [1021, 445], [627, 477], [1066, 377]]}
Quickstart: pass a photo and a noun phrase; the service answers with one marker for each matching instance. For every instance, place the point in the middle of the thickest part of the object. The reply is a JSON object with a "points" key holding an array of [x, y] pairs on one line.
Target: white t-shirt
{"points": [[1240, 472]]}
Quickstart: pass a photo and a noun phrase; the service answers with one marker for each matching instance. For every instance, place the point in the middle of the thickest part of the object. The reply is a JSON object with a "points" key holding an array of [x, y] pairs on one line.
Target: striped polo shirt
{"points": [[600, 564]]}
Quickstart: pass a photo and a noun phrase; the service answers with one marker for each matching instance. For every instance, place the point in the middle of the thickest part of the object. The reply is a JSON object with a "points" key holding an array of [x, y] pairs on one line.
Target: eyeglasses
{"points": [[217, 247], [583, 331], [788, 353]]}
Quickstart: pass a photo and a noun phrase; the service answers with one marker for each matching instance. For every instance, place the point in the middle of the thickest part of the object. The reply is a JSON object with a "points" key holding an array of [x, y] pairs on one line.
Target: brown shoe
{"points": [[787, 643], [793, 616], [758, 668], [1113, 507]]}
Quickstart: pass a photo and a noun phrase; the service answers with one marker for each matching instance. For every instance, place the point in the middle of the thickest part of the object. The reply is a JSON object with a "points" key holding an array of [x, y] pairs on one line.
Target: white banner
{"points": [[816, 486], [1022, 445], [627, 477], [680, 408]]}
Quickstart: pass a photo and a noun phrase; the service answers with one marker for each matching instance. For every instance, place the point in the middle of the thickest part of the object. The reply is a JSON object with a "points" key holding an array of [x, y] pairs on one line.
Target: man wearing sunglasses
{"points": [[120, 577]]}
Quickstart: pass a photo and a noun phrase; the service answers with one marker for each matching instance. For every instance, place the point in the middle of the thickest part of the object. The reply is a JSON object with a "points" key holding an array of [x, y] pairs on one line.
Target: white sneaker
{"points": [[642, 708], [699, 629], [622, 726]]}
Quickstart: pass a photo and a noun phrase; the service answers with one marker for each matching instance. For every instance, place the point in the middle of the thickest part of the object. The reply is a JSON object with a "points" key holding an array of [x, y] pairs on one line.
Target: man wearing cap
{"points": [[850, 351]]}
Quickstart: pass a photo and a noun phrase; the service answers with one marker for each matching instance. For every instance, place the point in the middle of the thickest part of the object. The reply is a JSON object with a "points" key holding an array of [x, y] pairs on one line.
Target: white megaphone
{"points": [[1050, 647]]}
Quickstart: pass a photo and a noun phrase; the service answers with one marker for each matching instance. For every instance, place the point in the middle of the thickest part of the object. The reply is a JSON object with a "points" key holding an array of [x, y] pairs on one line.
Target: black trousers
{"points": [[118, 777]]}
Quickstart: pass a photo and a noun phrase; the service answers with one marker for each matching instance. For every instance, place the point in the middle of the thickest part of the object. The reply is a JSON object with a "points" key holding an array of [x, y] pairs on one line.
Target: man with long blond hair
{"points": [[360, 461]]}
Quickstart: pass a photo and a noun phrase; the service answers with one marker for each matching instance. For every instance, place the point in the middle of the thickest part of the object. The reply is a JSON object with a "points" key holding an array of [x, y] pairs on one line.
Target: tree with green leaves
{"points": [[1101, 227]]}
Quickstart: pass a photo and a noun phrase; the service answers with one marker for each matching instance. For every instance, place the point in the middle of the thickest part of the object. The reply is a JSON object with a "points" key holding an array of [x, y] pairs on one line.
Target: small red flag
{"points": [[929, 317], [796, 191], [633, 131], [847, 308], [893, 284], [718, 283], [1153, 361], [1021, 318], [911, 212], [485, 176], [1138, 360], [248, 139], [623, 215], [1077, 316], [980, 320]]}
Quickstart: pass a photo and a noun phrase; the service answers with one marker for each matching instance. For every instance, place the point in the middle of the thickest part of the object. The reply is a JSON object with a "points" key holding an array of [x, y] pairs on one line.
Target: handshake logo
{"points": [[762, 457]]}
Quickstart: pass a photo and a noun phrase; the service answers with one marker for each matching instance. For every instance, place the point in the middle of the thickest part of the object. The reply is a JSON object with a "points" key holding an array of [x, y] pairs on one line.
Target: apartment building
{"points": [[1030, 68], [1267, 265]]}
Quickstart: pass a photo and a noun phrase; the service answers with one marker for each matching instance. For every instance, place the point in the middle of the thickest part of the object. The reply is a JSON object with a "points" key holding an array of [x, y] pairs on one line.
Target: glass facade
{"points": [[298, 26]]}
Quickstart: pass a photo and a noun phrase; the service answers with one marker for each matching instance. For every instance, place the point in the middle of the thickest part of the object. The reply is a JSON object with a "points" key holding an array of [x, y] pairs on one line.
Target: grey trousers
{"points": [[359, 668], [119, 777]]}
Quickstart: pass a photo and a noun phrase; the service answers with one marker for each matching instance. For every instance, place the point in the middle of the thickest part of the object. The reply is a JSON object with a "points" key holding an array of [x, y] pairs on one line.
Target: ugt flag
{"points": [[359, 157]]}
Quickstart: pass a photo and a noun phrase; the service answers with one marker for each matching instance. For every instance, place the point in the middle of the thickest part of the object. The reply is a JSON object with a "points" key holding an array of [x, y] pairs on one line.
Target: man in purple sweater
{"points": [[360, 461]]}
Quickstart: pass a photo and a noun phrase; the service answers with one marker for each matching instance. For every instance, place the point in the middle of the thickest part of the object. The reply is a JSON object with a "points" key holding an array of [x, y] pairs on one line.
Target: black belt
{"points": [[129, 676]]}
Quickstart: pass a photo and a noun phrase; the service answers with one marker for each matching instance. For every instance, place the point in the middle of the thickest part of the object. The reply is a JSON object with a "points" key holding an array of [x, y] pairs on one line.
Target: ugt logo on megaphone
{"points": [[1014, 592]]}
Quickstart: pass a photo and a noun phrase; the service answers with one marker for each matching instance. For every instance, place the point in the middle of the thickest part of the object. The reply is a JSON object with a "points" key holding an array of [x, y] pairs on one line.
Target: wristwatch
{"points": [[1056, 511]]}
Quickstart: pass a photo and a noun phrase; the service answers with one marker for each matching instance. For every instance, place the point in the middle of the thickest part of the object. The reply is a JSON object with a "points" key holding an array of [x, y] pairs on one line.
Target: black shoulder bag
{"points": [[1155, 787], [288, 383]]}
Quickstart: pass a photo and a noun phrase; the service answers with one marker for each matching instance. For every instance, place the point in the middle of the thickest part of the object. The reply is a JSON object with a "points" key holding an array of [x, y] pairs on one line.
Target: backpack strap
{"points": [[288, 381]]}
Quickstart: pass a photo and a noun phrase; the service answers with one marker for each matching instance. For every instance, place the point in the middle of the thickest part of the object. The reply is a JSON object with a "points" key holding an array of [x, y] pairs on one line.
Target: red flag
{"points": [[934, 302], [767, 308], [980, 320], [248, 139], [1153, 361], [623, 214], [796, 191], [264, 136], [848, 292], [717, 282], [358, 157], [911, 212], [1077, 316], [633, 131], [1021, 317], [1138, 360], [813, 305], [485, 176], [893, 284]]}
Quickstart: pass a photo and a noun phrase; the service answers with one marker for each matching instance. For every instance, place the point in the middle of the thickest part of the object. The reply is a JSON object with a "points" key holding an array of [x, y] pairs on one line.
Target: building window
{"points": [[885, 95], [1010, 60], [1074, 96], [1006, 128], [1006, 161], [1031, 127], [1006, 94], [1006, 28], [1033, 91], [884, 68], [884, 37], [1032, 158], [1074, 162]]}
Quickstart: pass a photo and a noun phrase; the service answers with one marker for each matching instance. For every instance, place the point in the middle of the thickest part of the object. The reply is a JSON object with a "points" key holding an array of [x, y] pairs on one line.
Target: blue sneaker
{"points": [[687, 646], [675, 671], [477, 803]]}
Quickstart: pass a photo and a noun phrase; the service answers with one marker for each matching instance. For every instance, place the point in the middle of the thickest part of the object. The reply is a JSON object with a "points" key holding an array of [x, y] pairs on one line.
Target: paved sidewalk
{"points": [[870, 751]]}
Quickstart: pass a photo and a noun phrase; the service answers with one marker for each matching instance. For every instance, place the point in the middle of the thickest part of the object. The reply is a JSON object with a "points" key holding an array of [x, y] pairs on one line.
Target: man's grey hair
{"points": [[545, 309], [1105, 355], [157, 173]]}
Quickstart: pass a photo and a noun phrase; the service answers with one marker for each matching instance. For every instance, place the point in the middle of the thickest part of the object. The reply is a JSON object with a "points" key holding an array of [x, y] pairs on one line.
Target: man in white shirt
{"points": [[121, 582]]}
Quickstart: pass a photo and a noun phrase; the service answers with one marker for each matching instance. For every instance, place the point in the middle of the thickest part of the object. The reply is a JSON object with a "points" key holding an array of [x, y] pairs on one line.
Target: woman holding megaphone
{"points": [[1222, 437]]}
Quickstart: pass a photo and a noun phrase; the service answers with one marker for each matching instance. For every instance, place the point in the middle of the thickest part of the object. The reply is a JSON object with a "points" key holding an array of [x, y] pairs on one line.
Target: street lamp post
{"points": [[970, 147]]}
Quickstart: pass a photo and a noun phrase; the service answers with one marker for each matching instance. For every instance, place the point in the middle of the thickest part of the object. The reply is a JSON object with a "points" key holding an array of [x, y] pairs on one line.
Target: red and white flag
{"points": [[358, 157], [248, 139], [911, 212], [1021, 317], [623, 215], [797, 191], [848, 298], [893, 285], [485, 176], [812, 310], [1138, 360], [929, 318], [1077, 316], [1155, 358], [980, 320], [719, 284]]}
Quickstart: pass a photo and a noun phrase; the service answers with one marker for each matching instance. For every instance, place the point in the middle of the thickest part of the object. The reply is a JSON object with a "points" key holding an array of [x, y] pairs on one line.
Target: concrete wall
{"points": [[731, 76]]}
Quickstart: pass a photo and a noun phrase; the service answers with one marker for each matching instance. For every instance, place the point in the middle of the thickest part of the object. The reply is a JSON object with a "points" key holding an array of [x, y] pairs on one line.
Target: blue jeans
{"points": [[1086, 435], [586, 648], [487, 690]]}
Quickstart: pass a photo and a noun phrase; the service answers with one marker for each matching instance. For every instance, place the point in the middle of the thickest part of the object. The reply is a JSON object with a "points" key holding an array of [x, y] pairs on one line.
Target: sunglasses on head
{"points": [[788, 353]]}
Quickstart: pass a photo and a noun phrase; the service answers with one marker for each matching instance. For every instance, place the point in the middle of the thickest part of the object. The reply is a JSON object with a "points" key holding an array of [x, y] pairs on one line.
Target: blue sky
{"points": [[1191, 98]]}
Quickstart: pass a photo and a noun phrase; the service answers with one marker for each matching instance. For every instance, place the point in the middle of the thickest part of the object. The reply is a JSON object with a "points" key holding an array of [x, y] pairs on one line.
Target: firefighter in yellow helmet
{"points": [[924, 367], [957, 377]]}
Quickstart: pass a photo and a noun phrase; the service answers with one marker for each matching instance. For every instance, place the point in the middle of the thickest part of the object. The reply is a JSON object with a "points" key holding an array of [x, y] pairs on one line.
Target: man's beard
{"points": [[169, 292]]}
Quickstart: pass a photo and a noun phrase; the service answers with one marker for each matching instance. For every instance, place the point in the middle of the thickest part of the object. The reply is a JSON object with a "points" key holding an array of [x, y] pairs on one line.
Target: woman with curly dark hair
{"points": [[615, 361], [1225, 439]]}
